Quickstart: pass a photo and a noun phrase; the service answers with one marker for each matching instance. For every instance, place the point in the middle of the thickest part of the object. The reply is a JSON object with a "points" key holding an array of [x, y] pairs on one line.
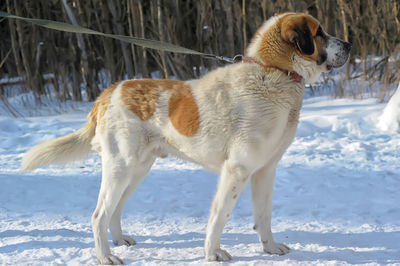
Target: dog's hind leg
{"points": [[119, 156], [115, 224], [114, 182], [232, 181]]}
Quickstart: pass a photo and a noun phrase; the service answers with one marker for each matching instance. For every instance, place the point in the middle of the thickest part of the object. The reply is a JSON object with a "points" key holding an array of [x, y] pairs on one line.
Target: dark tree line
{"points": [[74, 64]]}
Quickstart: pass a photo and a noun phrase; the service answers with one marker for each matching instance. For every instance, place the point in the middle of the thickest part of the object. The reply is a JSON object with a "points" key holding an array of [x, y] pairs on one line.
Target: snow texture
{"points": [[336, 197], [390, 118]]}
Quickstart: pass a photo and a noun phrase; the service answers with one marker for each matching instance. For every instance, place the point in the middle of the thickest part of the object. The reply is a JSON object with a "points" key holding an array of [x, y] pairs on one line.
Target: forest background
{"points": [[79, 67]]}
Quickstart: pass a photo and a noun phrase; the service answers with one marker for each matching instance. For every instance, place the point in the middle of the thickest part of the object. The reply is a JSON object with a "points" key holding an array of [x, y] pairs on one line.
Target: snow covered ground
{"points": [[336, 198]]}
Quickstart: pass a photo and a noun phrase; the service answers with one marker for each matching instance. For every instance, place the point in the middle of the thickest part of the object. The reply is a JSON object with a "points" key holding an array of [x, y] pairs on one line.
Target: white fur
{"points": [[248, 118], [59, 151], [308, 69]]}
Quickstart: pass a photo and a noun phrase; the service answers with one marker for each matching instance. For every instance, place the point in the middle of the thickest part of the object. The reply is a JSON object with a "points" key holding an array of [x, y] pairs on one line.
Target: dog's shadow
{"points": [[53, 238], [353, 248]]}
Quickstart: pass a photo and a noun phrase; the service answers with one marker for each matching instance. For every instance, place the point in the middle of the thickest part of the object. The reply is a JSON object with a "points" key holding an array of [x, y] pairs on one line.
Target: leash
{"points": [[147, 43]]}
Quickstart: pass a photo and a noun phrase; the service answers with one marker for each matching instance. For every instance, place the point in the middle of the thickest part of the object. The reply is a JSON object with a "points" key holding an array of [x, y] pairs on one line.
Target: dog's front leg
{"points": [[232, 181], [262, 184]]}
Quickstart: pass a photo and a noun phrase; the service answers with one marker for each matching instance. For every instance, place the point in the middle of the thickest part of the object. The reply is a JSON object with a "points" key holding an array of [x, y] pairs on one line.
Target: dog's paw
{"points": [[219, 255], [275, 248], [110, 260], [124, 240]]}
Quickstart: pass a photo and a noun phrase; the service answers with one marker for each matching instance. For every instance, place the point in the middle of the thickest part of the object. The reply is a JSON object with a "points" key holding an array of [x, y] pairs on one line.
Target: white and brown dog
{"points": [[237, 120]]}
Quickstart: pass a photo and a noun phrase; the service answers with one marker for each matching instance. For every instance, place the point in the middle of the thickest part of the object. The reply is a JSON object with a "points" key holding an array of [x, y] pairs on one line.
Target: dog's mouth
{"points": [[326, 68]]}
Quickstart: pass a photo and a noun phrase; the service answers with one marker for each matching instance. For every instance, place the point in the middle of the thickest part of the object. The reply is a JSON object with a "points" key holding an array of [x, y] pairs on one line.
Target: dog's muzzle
{"points": [[338, 52]]}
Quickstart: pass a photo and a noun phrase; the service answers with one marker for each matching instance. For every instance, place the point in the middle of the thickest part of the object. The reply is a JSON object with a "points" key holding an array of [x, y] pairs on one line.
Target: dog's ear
{"points": [[295, 30]]}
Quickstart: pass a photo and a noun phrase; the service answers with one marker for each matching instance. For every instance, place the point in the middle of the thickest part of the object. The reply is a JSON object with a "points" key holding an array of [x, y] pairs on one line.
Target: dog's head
{"points": [[297, 42]]}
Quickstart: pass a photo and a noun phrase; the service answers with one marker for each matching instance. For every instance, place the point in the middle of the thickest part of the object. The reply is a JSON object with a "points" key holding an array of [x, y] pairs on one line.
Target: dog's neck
{"points": [[293, 75]]}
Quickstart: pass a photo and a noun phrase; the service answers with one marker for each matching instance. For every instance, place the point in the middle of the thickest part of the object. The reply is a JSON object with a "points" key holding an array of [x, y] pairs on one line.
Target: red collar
{"points": [[293, 75]]}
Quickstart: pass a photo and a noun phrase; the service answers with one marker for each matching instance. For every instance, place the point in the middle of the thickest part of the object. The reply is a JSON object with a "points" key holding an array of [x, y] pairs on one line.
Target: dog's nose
{"points": [[347, 46]]}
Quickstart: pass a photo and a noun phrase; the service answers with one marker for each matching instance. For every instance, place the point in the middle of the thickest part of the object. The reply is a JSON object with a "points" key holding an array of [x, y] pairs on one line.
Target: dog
{"points": [[237, 120]]}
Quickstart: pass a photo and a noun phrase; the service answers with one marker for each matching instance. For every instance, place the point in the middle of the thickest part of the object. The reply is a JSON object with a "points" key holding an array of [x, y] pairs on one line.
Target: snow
{"points": [[336, 198], [390, 118]]}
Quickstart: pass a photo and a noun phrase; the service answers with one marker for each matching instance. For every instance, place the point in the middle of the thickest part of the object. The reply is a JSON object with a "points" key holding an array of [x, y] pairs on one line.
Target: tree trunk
{"points": [[145, 71], [120, 30], [130, 11], [344, 22], [24, 53], [329, 22], [312, 8], [14, 42], [108, 46], [245, 22], [76, 92], [230, 43], [345, 33], [162, 38]]}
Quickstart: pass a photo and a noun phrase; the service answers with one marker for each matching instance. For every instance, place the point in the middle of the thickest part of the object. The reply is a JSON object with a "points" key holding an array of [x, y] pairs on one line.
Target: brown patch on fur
{"points": [[274, 51], [292, 23], [277, 47], [235, 196], [96, 115], [299, 18], [140, 96], [183, 112]]}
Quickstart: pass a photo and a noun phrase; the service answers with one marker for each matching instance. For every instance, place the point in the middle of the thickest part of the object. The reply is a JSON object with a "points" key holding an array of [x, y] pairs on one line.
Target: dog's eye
{"points": [[320, 32]]}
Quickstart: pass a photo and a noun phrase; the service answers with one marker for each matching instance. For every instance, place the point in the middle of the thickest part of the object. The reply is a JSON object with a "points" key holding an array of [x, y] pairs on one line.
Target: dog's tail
{"points": [[74, 146]]}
